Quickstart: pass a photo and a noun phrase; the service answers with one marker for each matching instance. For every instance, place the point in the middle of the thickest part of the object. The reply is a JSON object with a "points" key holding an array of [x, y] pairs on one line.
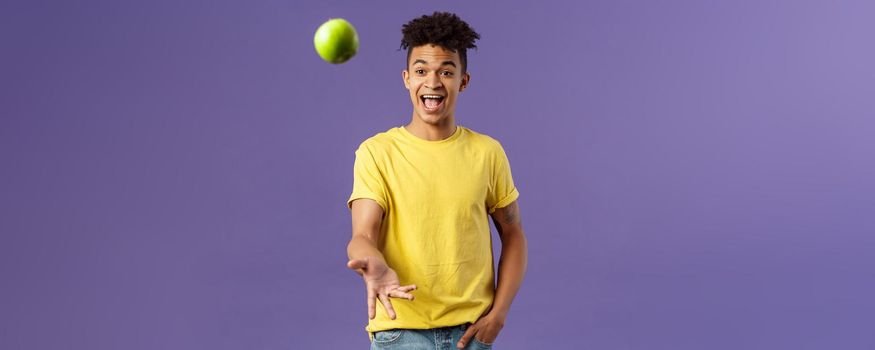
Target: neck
{"points": [[431, 132]]}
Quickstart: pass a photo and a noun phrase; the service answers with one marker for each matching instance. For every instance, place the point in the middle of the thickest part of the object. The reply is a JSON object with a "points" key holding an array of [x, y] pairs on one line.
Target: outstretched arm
{"points": [[366, 259], [367, 217], [511, 270]]}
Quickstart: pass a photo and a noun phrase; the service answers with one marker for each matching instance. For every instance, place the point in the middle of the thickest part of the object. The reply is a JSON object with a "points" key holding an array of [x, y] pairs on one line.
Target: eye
{"points": [[447, 73], [420, 71]]}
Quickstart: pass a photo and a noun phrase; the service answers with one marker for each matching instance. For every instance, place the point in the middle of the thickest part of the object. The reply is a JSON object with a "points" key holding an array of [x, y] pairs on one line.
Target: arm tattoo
{"points": [[511, 214]]}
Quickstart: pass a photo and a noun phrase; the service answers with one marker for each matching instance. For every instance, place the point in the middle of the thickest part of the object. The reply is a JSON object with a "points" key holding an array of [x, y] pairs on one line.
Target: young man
{"points": [[421, 196]]}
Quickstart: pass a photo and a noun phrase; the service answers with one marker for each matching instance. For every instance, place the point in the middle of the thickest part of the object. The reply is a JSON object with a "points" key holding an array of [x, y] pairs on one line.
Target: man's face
{"points": [[434, 78]]}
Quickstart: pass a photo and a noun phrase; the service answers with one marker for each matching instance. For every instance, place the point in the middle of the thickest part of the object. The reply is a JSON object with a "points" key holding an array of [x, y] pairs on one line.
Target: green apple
{"points": [[336, 41]]}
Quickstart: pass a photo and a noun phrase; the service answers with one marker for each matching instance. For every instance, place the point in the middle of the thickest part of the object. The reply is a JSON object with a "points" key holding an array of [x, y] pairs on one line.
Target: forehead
{"points": [[433, 54]]}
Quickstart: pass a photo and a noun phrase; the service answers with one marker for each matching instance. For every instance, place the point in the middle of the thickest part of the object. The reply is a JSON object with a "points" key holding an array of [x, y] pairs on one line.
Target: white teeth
{"points": [[432, 96]]}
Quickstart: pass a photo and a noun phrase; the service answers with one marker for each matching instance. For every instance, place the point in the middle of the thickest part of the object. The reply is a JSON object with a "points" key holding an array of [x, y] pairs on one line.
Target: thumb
{"points": [[356, 264], [469, 333]]}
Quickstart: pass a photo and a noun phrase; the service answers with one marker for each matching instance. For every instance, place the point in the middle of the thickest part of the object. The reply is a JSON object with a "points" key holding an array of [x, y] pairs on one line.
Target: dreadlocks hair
{"points": [[443, 29]]}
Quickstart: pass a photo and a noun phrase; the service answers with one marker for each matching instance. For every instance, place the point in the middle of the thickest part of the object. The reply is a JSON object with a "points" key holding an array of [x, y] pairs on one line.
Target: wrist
{"points": [[498, 315]]}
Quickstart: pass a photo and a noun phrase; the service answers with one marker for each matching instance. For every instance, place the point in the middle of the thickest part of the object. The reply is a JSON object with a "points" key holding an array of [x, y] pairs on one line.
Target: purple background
{"points": [[693, 175]]}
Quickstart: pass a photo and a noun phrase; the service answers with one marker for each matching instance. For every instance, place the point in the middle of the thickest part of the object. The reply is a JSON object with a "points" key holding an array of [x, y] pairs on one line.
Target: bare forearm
{"points": [[360, 246], [511, 270]]}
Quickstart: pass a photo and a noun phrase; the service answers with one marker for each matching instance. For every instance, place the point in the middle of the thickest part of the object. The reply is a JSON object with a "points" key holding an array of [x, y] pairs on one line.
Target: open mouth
{"points": [[432, 102]]}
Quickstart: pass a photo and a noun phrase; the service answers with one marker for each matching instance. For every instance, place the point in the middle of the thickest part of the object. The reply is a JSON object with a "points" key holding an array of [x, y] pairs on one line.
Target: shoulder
{"points": [[484, 141], [379, 140]]}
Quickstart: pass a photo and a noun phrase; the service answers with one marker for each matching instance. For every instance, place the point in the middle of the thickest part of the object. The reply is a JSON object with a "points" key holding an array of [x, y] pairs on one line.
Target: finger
{"points": [[483, 338], [399, 294], [388, 304], [466, 337], [356, 264], [372, 304], [406, 288]]}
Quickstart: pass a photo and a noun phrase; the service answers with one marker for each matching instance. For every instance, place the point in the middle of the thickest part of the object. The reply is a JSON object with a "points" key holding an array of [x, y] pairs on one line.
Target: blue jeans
{"points": [[444, 338]]}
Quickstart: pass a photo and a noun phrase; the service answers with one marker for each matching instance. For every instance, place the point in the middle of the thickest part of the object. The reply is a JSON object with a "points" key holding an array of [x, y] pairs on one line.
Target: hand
{"points": [[381, 282], [484, 330]]}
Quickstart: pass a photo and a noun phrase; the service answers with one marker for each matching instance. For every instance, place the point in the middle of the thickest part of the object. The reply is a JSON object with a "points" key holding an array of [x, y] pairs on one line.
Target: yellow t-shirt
{"points": [[435, 234]]}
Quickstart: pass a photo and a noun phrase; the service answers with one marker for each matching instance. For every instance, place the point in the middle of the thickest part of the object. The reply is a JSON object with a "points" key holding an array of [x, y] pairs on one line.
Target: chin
{"points": [[432, 119]]}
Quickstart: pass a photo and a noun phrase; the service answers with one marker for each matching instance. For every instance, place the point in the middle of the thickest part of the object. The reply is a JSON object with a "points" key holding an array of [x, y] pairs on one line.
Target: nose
{"points": [[433, 82]]}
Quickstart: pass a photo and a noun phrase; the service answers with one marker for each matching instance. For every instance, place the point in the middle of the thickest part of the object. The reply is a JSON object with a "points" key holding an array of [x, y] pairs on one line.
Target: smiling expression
{"points": [[434, 78]]}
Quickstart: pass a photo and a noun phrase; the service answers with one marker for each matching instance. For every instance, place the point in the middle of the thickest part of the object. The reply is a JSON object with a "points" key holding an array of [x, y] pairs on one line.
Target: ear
{"points": [[465, 80], [406, 77]]}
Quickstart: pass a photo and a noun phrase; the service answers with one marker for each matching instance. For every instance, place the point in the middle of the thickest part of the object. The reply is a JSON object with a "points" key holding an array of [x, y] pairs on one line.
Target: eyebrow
{"points": [[445, 63]]}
